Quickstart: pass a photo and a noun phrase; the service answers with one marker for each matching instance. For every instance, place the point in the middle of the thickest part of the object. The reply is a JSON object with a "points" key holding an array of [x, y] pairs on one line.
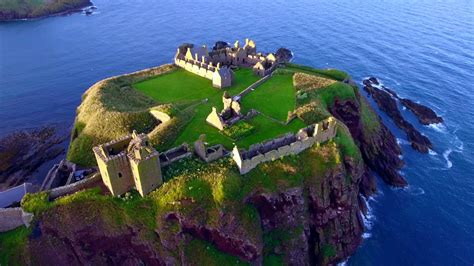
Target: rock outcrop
{"points": [[424, 114], [388, 104], [379, 149], [315, 224], [24, 152], [284, 55]]}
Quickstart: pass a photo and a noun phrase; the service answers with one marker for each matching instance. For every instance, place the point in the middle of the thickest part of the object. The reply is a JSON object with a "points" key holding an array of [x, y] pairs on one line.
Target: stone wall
{"points": [[288, 144], [208, 154], [11, 218], [203, 70], [14, 195], [253, 86], [175, 154], [89, 182]]}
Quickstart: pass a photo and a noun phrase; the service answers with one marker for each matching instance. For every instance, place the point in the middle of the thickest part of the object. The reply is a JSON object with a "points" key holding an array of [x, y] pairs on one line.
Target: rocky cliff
{"points": [[304, 209]]}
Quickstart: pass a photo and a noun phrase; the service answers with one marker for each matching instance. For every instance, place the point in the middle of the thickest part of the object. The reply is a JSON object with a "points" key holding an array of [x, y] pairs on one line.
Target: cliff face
{"points": [[379, 147], [324, 221], [314, 220], [304, 209]]}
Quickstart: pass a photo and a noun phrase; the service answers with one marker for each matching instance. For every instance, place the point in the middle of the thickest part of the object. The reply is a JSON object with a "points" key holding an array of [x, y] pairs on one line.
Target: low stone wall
{"points": [[11, 218], [288, 144], [253, 86], [175, 154], [93, 181], [14, 194]]}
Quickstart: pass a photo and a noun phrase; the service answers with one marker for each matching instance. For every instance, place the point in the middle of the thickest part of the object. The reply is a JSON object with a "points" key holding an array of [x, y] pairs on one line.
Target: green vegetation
{"points": [[15, 9], [12, 244], [180, 86], [203, 253], [275, 97], [267, 129], [273, 260], [328, 251], [239, 130], [327, 73], [346, 143], [111, 109]]}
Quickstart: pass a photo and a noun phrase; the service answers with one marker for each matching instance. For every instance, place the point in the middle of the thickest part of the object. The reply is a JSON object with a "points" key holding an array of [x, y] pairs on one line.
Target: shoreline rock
{"points": [[23, 152], [387, 103], [380, 151], [424, 114]]}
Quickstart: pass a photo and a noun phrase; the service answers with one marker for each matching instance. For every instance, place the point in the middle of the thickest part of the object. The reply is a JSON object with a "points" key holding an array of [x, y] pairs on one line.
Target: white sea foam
{"points": [[432, 152], [344, 263], [446, 154], [440, 127], [369, 219], [415, 191], [402, 141], [458, 144]]}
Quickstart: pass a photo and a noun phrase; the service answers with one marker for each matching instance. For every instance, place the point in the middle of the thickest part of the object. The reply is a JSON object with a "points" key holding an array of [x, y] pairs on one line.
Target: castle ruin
{"points": [[287, 145], [228, 116], [216, 65]]}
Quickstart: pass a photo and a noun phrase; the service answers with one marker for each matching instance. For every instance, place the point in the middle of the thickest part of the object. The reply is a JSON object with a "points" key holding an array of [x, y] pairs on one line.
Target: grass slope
{"points": [[111, 109]]}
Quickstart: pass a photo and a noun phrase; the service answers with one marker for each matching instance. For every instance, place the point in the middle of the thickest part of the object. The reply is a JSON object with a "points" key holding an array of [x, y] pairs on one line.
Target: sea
{"points": [[424, 50]]}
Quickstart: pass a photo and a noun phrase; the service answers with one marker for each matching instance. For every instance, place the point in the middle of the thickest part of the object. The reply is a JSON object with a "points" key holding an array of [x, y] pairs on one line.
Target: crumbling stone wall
{"points": [[283, 146], [208, 154], [89, 182], [175, 154], [11, 218]]}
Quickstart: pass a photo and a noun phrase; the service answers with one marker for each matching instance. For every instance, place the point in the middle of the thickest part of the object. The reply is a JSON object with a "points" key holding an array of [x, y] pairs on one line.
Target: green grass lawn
{"points": [[275, 97], [176, 86], [266, 129]]}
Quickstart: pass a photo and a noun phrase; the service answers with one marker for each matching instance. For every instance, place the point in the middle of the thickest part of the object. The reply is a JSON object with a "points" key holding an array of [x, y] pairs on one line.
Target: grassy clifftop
{"points": [[110, 109], [21, 9], [274, 214]]}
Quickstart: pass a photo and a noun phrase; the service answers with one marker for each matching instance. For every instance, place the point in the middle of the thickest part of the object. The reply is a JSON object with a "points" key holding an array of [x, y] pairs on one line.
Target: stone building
{"points": [[208, 154], [228, 116], [286, 145], [217, 64], [129, 162]]}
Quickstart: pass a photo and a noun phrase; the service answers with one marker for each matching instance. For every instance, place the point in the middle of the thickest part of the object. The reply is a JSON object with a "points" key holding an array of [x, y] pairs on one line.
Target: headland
{"points": [[228, 155]]}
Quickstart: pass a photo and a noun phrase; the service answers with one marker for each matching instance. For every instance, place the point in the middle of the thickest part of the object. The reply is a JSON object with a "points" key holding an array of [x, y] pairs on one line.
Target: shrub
{"points": [[239, 130], [36, 203]]}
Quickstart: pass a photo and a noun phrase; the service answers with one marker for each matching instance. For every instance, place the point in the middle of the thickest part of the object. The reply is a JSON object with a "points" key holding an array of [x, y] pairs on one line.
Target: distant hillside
{"points": [[21, 9]]}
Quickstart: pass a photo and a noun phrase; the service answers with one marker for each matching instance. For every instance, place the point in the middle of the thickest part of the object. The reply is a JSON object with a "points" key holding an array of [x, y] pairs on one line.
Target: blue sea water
{"points": [[424, 50]]}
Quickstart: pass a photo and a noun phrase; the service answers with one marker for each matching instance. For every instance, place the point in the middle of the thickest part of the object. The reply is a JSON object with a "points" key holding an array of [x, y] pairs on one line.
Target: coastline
{"points": [[77, 9]]}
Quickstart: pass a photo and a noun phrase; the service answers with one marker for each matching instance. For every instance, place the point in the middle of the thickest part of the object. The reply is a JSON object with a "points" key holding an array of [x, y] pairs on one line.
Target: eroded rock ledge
{"points": [[388, 104], [379, 149]]}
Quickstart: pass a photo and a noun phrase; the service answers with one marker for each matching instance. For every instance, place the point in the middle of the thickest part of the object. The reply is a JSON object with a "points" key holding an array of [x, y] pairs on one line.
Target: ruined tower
{"points": [[127, 162]]}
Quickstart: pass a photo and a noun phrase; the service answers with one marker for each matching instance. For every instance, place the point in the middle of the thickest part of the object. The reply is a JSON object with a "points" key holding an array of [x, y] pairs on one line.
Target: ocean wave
{"points": [[344, 263], [441, 128], [432, 152], [414, 190], [446, 154], [458, 144], [402, 141], [369, 218]]}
